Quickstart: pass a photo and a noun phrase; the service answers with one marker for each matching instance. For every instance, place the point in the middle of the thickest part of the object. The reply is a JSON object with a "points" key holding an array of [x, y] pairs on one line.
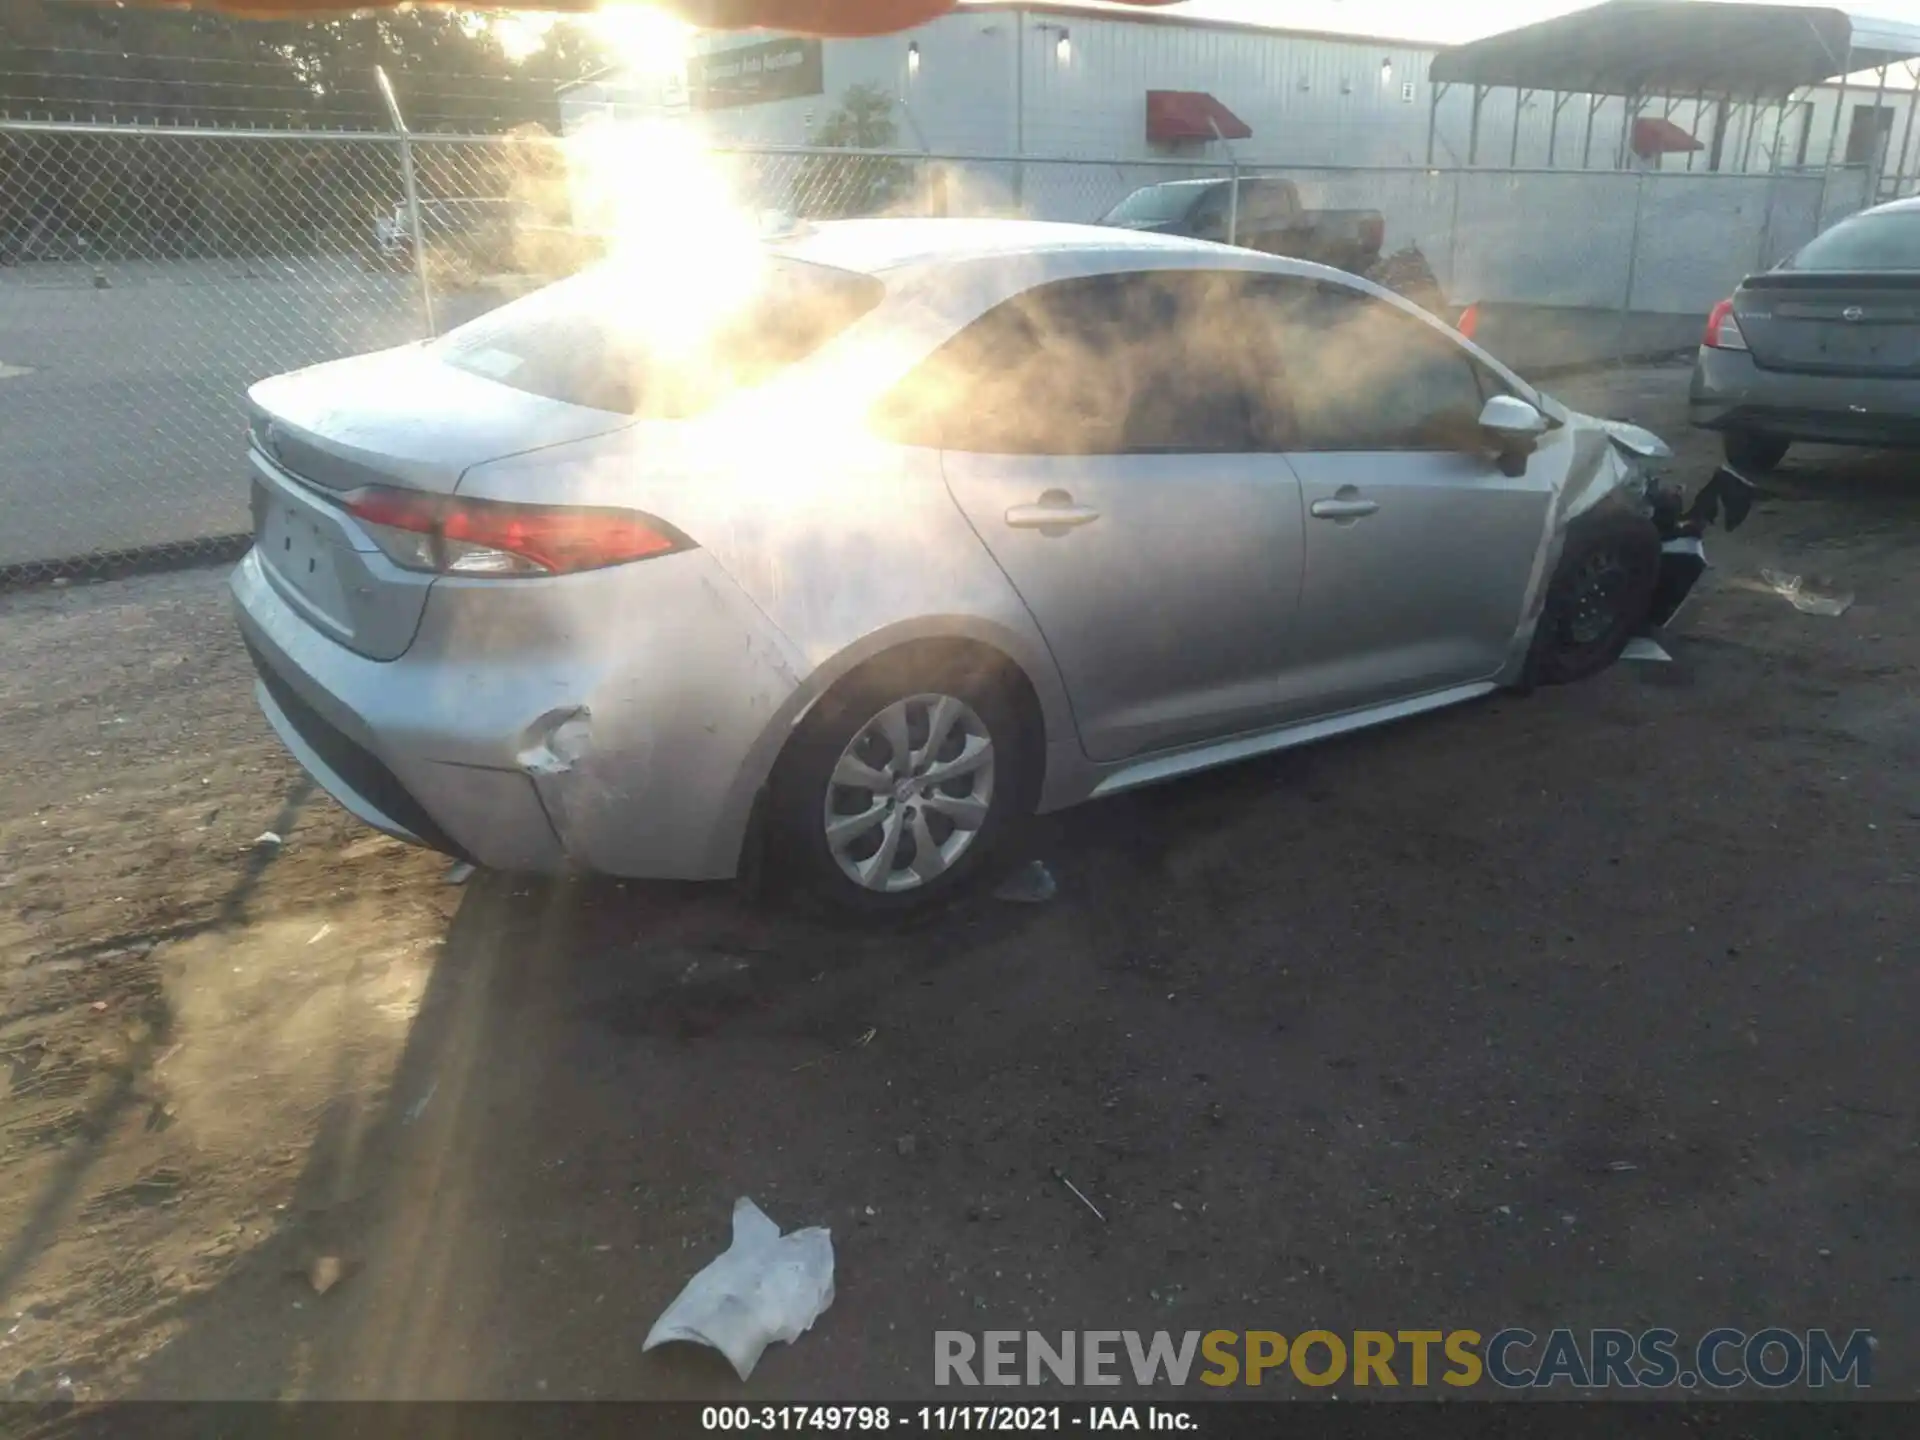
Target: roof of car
{"points": [[1894, 207], [874, 247]]}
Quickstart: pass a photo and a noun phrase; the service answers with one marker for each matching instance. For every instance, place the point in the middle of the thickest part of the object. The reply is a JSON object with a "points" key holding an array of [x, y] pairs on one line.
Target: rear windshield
{"points": [[585, 341], [1887, 241], [1156, 205]]}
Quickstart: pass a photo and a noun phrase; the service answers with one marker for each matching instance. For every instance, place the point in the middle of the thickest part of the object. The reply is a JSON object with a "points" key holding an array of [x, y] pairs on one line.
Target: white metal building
{"points": [[1060, 80]]}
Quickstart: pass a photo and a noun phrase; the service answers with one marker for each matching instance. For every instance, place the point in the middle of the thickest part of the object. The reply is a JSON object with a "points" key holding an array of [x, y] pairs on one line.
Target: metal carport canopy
{"points": [[1680, 47]]}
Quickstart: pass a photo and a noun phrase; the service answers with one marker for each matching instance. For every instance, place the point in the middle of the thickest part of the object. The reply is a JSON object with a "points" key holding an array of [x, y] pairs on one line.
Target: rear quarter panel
{"points": [[848, 545]]}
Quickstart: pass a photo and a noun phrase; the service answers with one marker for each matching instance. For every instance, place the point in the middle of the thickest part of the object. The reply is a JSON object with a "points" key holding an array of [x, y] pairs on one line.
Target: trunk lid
{"points": [[1832, 323], [402, 419]]}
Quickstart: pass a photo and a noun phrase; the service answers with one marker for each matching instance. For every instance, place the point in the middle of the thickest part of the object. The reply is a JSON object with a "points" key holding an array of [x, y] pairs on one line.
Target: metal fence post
{"points": [[1633, 265], [1906, 133], [1020, 109], [413, 196], [1453, 239], [1233, 203], [1833, 141], [1233, 183], [1766, 223]]}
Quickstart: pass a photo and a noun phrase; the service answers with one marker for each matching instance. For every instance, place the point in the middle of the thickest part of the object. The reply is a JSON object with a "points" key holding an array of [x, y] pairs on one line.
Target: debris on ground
{"points": [[1061, 1177], [860, 1041], [1809, 595], [419, 1107], [765, 1287], [326, 1272], [266, 839], [460, 872], [1031, 884], [1642, 647]]}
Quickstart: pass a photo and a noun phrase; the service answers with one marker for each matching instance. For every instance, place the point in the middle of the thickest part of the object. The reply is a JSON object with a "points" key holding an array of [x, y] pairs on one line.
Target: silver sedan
{"points": [[908, 529]]}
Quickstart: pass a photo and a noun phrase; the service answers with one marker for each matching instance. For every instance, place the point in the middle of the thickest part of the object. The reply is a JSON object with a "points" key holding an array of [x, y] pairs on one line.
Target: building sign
{"points": [[752, 74]]}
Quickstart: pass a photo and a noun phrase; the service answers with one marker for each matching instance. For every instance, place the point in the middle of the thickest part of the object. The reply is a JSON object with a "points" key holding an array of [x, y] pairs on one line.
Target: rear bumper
{"points": [[1730, 392], [349, 772], [540, 725]]}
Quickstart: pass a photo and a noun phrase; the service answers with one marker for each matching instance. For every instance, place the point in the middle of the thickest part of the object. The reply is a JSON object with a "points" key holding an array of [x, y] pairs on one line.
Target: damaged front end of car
{"points": [[1622, 551], [1727, 497]]}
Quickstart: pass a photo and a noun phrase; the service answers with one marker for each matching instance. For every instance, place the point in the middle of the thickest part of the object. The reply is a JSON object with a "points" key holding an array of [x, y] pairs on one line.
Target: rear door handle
{"points": [[1050, 517], [1343, 509]]}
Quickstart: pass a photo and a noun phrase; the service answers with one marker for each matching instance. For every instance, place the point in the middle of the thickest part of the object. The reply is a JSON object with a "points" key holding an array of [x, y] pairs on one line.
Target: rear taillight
{"points": [[1469, 321], [452, 536], [1723, 330]]}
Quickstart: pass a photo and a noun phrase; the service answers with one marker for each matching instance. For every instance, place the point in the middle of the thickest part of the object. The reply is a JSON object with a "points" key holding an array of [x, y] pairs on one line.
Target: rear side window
{"points": [[1887, 241], [1143, 363], [586, 340]]}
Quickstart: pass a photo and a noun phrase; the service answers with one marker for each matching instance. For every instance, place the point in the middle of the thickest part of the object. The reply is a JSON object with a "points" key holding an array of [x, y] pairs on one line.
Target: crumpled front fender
{"points": [[1611, 472]]}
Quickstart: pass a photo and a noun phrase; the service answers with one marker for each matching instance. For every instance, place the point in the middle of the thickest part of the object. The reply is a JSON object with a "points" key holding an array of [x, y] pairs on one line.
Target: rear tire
{"points": [[1750, 450], [1598, 599], [859, 814]]}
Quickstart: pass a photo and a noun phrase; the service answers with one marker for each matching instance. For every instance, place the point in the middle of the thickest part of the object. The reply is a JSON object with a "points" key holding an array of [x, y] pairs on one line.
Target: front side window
{"points": [[1364, 376], [1142, 363]]}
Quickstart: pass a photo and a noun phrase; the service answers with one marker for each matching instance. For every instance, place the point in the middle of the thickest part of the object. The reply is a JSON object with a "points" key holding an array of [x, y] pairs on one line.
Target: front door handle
{"points": [[1343, 509], [1054, 510]]}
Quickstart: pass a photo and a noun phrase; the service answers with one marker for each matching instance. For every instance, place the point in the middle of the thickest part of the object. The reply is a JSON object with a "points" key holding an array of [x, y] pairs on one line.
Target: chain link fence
{"points": [[149, 276]]}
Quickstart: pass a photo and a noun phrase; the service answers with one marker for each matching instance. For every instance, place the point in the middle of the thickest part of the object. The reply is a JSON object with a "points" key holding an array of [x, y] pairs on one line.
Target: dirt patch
{"points": [[1589, 1008]]}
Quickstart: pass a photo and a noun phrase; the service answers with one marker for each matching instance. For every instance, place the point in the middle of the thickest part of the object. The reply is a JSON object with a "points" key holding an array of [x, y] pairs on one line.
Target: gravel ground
{"points": [[1594, 1007]]}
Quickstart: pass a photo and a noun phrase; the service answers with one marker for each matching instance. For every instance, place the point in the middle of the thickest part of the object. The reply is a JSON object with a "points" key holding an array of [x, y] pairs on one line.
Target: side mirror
{"points": [[1516, 428], [1513, 421]]}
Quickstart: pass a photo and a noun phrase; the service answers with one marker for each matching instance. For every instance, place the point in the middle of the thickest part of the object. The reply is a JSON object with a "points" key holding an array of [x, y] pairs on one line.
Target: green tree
{"points": [[863, 121], [840, 186], [162, 68]]}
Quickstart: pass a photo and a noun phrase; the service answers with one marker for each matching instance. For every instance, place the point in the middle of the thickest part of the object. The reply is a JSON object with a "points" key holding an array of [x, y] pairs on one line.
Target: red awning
{"points": [[1191, 115], [1654, 136]]}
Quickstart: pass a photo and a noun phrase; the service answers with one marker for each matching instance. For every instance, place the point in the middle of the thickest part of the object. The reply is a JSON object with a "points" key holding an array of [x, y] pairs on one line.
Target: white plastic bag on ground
{"points": [[765, 1287]]}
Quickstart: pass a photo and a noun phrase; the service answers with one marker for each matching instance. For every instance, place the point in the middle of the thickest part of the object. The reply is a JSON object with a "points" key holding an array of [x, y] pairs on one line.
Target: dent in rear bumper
{"points": [[489, 816], [323, 774], [600, 721]]}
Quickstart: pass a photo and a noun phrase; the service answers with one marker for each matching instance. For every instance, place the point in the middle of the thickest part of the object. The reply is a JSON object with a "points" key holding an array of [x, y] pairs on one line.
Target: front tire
{"points": [[901, 783], [1598, 599], [1750, 450]]}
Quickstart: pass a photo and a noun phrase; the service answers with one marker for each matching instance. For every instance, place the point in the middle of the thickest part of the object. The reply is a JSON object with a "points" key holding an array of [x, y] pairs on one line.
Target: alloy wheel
{"points": [[910, 793]]}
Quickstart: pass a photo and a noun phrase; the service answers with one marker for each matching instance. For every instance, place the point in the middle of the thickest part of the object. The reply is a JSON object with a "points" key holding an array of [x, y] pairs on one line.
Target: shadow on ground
{"points": [[1575, 1009], [1583, 1009]]}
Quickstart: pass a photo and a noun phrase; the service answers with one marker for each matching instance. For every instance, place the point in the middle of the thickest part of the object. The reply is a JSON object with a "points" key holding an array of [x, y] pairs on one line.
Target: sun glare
{"points": [[645, 41], [686, 250], [520, 33]]}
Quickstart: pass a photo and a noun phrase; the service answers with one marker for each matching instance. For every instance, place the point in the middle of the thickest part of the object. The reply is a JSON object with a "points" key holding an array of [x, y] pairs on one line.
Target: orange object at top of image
{"points": [[810, 17]]}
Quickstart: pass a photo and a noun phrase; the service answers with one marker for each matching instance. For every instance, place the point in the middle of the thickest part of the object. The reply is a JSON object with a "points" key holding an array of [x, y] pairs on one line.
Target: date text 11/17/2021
{"points": [[944, 1419]]}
